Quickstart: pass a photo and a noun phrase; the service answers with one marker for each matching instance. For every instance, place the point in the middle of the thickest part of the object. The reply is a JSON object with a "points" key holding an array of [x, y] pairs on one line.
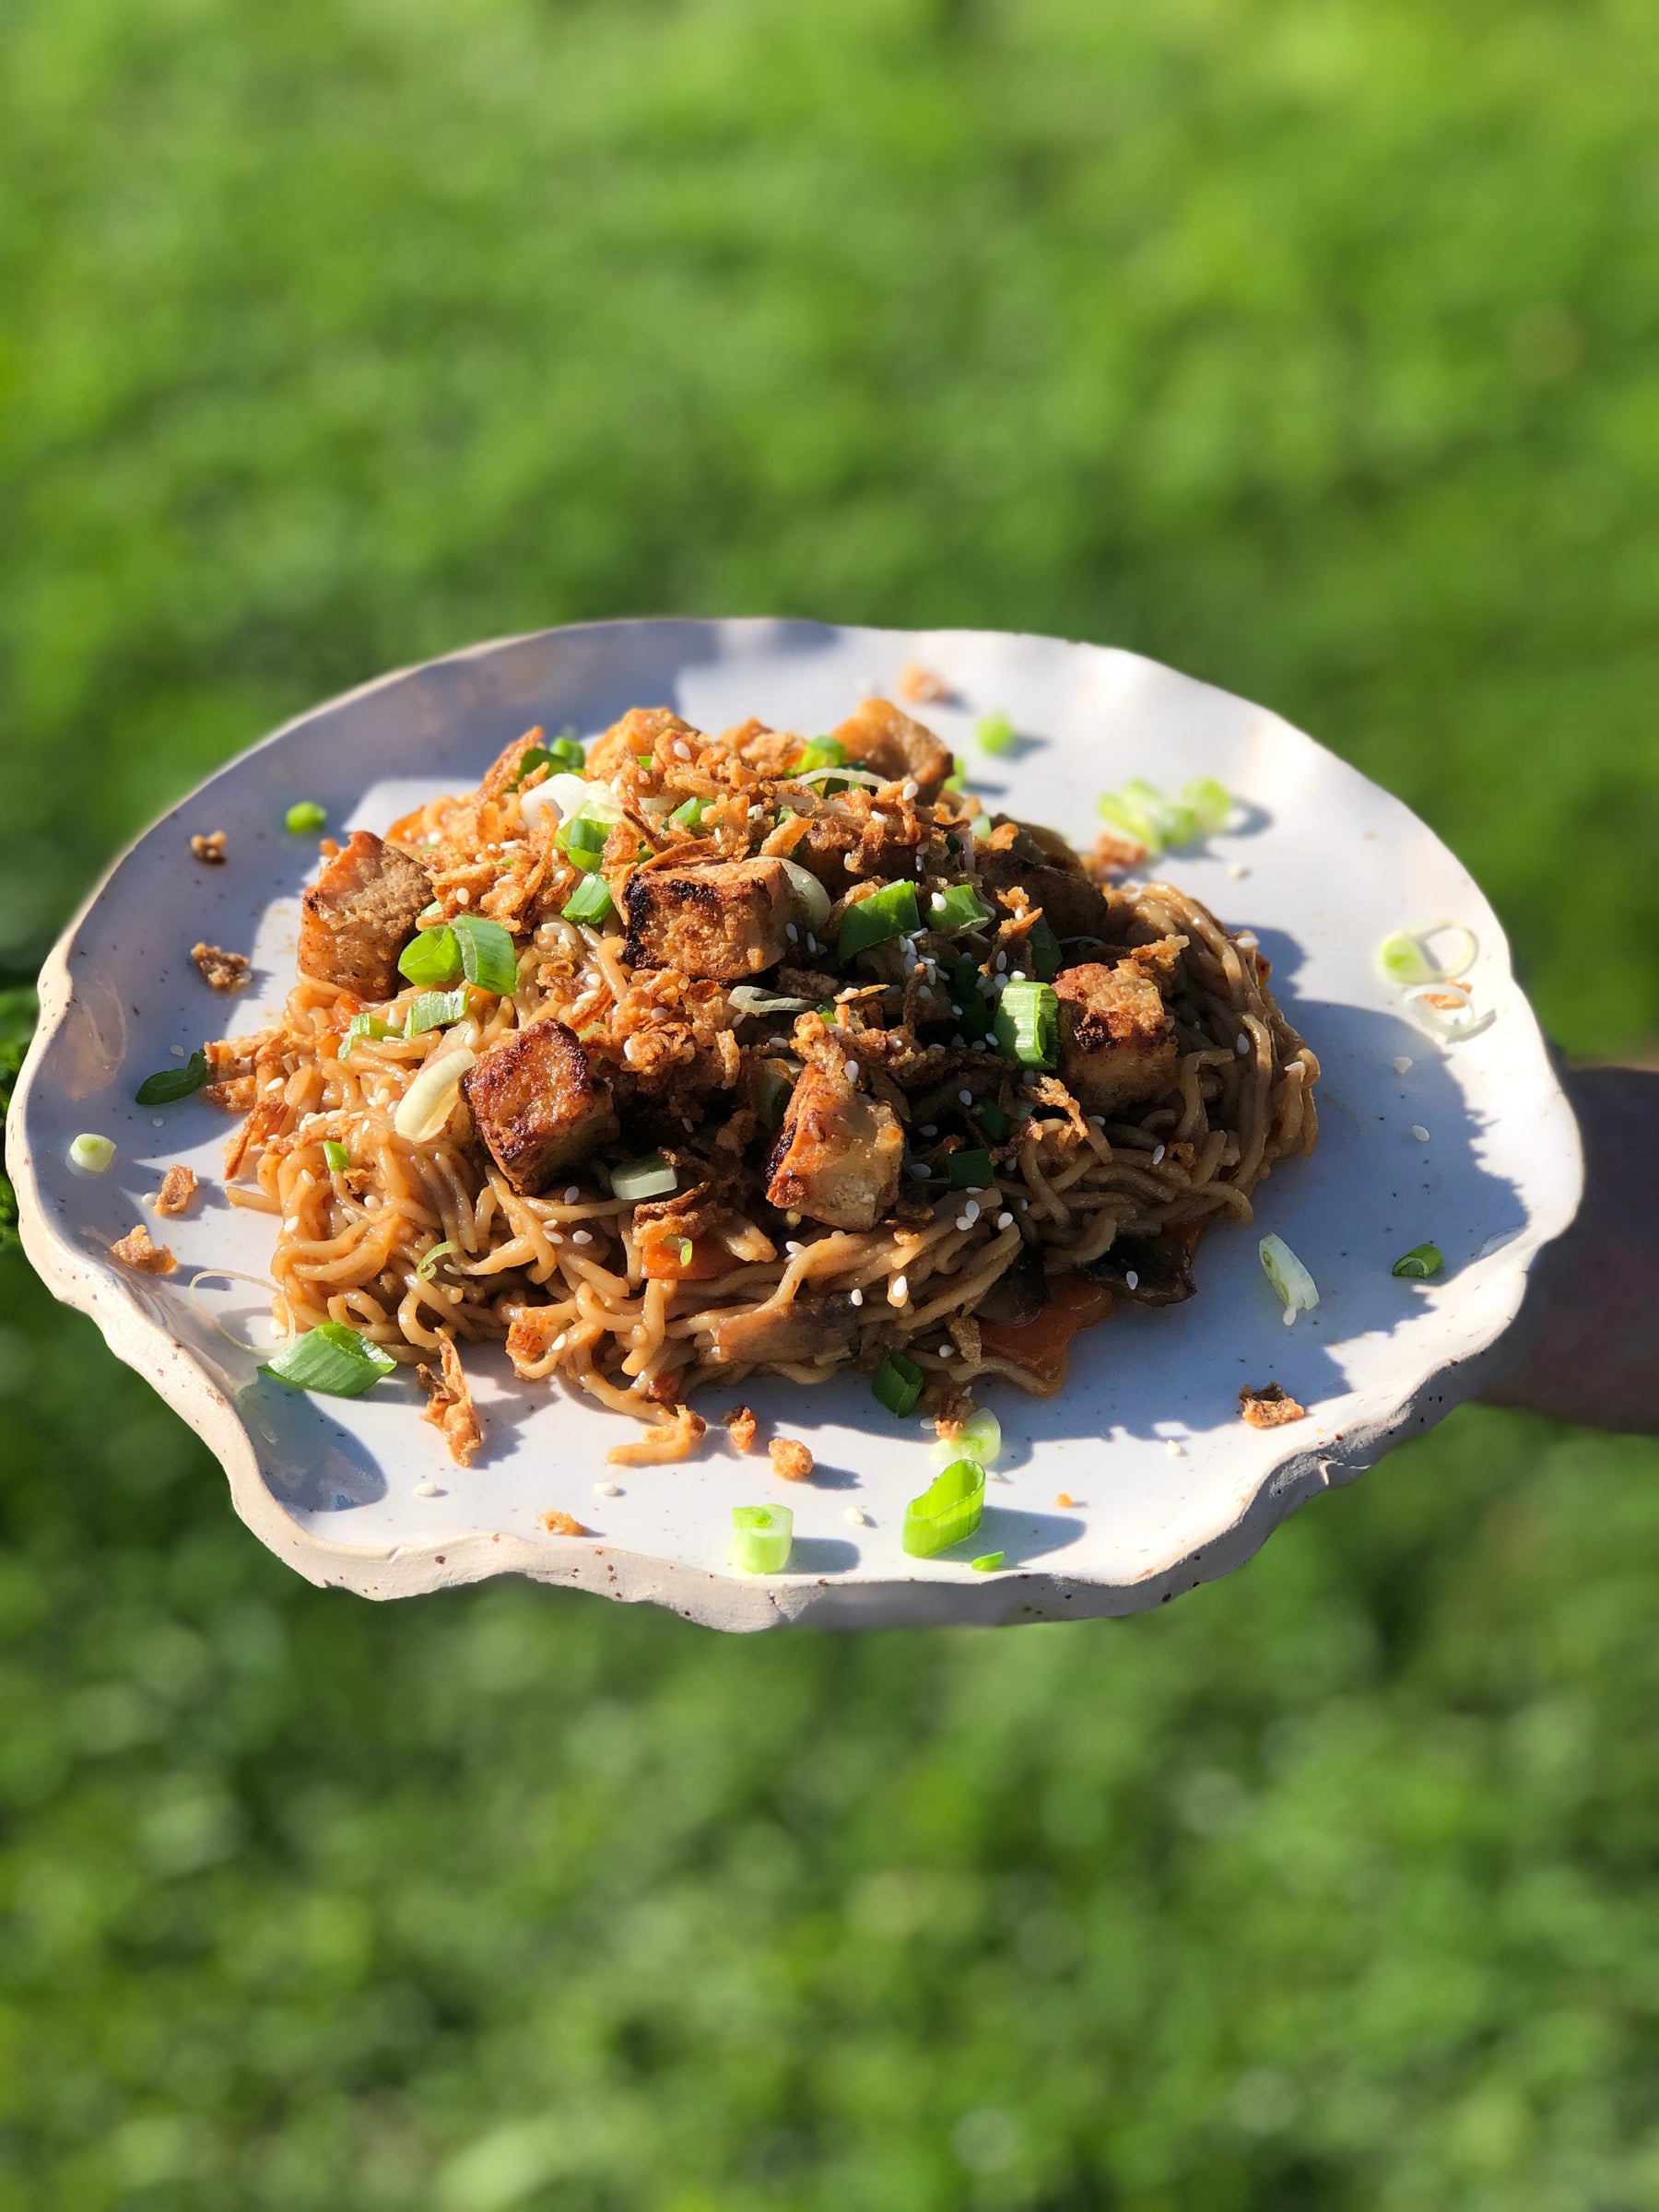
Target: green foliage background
{"points": [[1311, 347]]}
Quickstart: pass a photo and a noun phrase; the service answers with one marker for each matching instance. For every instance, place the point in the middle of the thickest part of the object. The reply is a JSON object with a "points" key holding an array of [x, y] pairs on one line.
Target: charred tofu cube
{"points": [[359, 914], [881, 738], [1072, 905], [722, 922], [838, 1154], [537, 1104], [1117, 1041]]}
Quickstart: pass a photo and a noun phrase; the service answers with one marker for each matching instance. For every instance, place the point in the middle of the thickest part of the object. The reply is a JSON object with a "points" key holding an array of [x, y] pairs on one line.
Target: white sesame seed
{"points": [[1419, 1130], [920, 1168], [1237, 869], [1016, 975], [682, 751], [852, 1071], [1000, 962], [559, 1341], [792, 1246], [573, 1194], [428, 1489], [1402, 1067], [1004, 1220], [582, 1236], [909, 788], [1158, 1153], [856, 1297], [938, 902], [756, 813], [463, 896], [157, 1121], [947, 1351], [792, 933], [858, 1516], [970, 1211], [1290, 1312], [177, 1051], [1174, 1447], [1132, 1278], [977, 1188], [608, 1489], [1241, 1043], [274, 1084], [962, 1221], [555, 1236], [812, 943], [897, 1290], [930, 1129], [1099, 1120], [959, 1040]]}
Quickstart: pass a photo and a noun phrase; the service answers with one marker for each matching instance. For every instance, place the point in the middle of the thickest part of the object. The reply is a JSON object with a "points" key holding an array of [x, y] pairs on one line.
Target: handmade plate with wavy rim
{"points": [[1139, 1479]]}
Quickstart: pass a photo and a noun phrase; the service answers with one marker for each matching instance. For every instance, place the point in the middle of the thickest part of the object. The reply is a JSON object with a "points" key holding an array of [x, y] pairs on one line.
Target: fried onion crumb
{"points": [[1269, 1407], [209, 848], [676, 1438], [219, 970], [790, 1458], [920, 685], [741, 1426], [139, 1250], [561, 1524], [449, 1402], [178, 1188]]}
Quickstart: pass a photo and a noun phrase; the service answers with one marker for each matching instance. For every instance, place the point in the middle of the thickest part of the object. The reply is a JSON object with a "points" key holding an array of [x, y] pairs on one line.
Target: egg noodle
{"points": [[640, 1303]]}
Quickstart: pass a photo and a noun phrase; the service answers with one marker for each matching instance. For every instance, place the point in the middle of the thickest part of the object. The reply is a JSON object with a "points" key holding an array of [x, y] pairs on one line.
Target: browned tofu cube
{"points": [[842, 849], [1072, 905], [880, 737], [359, 914], [1117, 1042], [537, 1104], [722, 922], [838, 1154]]}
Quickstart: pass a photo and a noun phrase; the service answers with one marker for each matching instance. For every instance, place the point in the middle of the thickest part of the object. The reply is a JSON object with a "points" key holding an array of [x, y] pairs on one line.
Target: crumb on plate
{"points": [[741, 1426], [449, 1402], [220, 969], [561, 1524], [920, 685], [178, 1188], [676, 1437], [209, 848], [790, 1458], [1269, 1407], [141, 1251]]}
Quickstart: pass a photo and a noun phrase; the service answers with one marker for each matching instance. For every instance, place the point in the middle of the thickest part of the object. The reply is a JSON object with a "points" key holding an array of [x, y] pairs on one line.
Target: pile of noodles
{"points": [[561, 1278]]}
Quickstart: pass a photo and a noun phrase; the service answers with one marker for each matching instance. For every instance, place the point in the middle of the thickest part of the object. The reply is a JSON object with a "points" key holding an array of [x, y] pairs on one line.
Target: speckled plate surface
{"points": [[1322, 865]]}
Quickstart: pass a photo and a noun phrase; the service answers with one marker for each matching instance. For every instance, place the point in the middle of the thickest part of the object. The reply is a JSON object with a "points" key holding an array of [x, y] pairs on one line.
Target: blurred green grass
{"points": [[1312, 350]]}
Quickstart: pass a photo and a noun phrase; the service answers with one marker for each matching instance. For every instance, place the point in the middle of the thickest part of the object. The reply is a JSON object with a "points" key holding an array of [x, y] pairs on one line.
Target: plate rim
{"points": [[729, 1601]]}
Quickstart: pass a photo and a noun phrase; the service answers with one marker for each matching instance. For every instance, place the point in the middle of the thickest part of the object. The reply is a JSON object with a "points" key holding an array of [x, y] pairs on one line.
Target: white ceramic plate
{"points": [[1323, 865]]}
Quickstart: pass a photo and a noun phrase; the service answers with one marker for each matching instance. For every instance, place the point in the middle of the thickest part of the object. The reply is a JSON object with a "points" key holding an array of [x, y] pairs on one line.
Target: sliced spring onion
{"points": [[93, 1154], [1447, 1012], [822, 752], [690, 815], [981, 826], [432, 1010], [814, 898], [173, 1082], [992, 1119], [962, 982], [686, 1248], [960, 907], [888, 912], [949, 1509], [987, 1562], [1416, 956], [979, 1439], [428, 1267], [968, 1171], [649, 1177], [957, 780], [568, 749], [582, 834], [1027, 1024], [332, 1359], [748, 998], [898, 1384], [1211, 804], [996, 733], [1289, 1277], [761, 1535], [590, 901], [771, 1096], [1419, 1263], [365, 1025], [431, 958], [338, 1156], [1043, 949], [487, 958], [304, 814], [426, 1105], [533, 756]]}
